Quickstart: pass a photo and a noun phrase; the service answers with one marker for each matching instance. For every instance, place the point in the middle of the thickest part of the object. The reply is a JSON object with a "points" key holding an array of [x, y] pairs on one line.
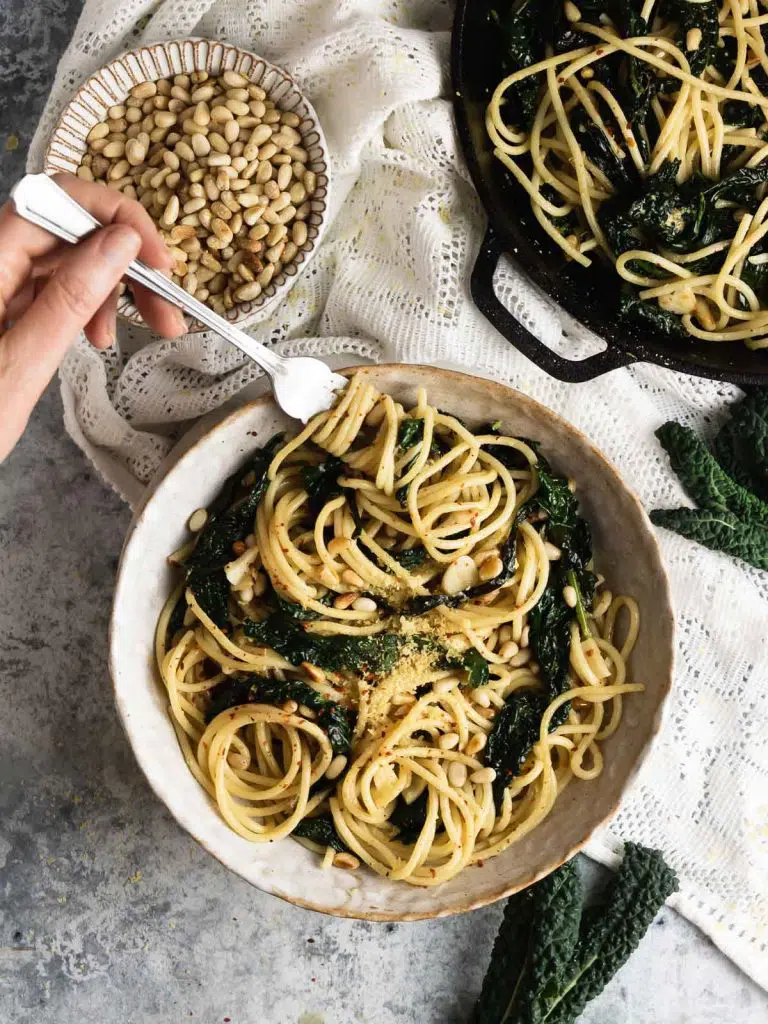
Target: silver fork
{"points": [[302, 386]]}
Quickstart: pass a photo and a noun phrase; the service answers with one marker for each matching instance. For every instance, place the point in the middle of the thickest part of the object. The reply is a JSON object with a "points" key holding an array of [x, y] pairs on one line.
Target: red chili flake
{"points": [[630, 141], [238, 547], [600, 52], [480, 863], [560, 81]]}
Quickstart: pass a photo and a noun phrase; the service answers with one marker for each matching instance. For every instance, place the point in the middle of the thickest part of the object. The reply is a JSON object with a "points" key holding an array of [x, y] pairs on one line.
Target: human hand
{"points": [[50, 291]]}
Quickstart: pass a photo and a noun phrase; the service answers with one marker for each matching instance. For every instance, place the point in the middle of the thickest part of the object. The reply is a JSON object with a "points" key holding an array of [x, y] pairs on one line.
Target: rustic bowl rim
{"points": [[258, 310], [665, 610]]}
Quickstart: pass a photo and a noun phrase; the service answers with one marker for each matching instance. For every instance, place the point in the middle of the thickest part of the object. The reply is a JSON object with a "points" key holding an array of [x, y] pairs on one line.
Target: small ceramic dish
{"points": [[626, 552], [110, 86]]}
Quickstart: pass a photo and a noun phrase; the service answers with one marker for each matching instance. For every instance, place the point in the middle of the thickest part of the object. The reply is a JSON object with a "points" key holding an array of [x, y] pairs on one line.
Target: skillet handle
{"points": [[572, 371]]}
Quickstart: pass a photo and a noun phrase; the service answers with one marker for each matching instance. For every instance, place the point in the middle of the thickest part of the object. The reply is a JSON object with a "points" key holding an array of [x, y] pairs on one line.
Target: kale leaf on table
{"points": [[718, 531], [703, 478], [551, 956], [731, 487], [741, 446]]}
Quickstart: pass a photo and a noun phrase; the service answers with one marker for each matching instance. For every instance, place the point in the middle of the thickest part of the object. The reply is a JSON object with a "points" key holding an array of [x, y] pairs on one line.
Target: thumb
{"points": [[31, 350]]}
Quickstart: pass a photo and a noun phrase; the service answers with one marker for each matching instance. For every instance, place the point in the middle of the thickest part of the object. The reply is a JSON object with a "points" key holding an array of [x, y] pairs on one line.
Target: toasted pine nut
{"points": [[448, 741], [475, 744], [346, 860], [247, 292]]}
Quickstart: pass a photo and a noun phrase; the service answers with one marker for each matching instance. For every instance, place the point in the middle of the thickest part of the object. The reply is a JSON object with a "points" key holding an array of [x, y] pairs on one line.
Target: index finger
{"points": [[22, 243]]}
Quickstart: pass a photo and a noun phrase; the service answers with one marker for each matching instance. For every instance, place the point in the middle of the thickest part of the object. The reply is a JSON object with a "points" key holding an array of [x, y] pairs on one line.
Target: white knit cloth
{"points": [[394, 267]]}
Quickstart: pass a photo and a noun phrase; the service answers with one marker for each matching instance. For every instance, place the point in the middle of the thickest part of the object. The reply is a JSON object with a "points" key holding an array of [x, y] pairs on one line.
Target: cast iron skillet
{"points": [[589, 294]]}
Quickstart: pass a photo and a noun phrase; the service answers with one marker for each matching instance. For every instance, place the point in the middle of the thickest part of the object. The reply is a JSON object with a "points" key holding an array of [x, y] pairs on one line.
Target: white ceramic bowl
{"points": [[626, 552], [110, 86]]}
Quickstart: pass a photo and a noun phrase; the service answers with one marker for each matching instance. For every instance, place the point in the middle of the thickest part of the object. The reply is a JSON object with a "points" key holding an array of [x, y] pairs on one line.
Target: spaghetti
{"points": [[642, 135], [403, 657]]}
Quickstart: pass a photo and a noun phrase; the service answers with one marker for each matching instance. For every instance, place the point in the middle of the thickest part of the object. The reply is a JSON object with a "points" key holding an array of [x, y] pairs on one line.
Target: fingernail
{"points": [[181, 322], [120, 243]]}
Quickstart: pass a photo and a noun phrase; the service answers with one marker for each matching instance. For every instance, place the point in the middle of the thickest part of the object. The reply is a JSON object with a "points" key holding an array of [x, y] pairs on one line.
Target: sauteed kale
{"points": [[654, 211]]}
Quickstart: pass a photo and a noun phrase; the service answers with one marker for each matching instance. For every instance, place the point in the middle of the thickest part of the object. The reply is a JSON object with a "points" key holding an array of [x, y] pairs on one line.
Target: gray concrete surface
{"points": [[108, 911]]}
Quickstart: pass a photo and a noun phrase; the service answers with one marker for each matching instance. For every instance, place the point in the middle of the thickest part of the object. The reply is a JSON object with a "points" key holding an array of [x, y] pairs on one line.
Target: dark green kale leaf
{"points": [[230, 518], [370, 655], [357, 519], [650, 314], [753, 274], [554, 496], [612, 932], [703, 16], [509, 959], [176, 621], [410, 819], [515, 730], [551, 957], [231, 693], [738, 187], [321, 483], [294, 610], [520, 40], [411, 558], [533, 949], [508, 456], [320, 830], [550, 636], [581, 612], [421, 605], [211, 590], [332, 718], [704, 479], [241, 496], [477, 668], [641, 83], [409, 433], [567, 224], [719, 531], [742, 444], [596, 145]]}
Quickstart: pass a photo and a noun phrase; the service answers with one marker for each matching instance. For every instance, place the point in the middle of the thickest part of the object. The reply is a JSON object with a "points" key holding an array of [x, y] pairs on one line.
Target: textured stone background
{"points": [[108, 912]]}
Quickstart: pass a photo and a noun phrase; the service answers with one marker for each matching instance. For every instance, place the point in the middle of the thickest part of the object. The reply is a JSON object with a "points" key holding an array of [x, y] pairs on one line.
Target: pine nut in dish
{"points": [[224, 139]]}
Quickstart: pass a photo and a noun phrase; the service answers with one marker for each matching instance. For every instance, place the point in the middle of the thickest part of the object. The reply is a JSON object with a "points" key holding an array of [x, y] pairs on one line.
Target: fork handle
{"points": [[41, 201]]}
